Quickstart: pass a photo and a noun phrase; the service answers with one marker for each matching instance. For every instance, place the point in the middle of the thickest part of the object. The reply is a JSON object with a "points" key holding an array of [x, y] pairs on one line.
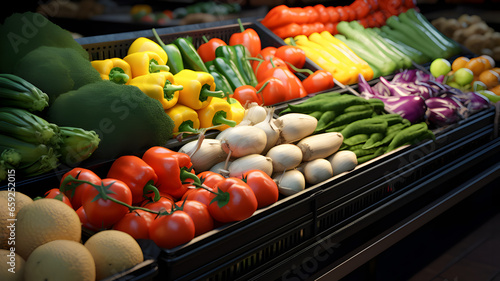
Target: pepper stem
{"points": [[302, 70], [220, 117], [205, 93], [169, 90], [158, 38], [118, 76], [205, 39], [187, 127], [184, 175], [155, 67], [148, 188], [242, 29]]}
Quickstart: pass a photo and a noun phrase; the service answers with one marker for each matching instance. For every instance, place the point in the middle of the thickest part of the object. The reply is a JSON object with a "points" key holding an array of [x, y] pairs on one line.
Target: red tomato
{"points": [[247, 94], [164, 203], [57, 194], [84, 220], [272, 91], [172, 230], [210, 178], [198, 194], [235, 202], [136, 223], [103, 212], [263, 186], [75, 195], [149, 196], [203, 221]]}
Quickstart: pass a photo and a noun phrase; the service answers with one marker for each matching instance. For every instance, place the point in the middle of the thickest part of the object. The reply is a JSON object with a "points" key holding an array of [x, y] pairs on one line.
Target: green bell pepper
{"points": [[238, 54]]}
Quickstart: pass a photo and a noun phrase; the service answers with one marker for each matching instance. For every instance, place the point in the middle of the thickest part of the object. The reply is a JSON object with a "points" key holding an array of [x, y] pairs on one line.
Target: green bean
{"points": [[377, 104], [364, 126], [316, 114], [336, 129], [391, 119], [356, 139], [358, 107], [323, 121], [373, 140], [413, 134], [349, 117], [378, 152]]}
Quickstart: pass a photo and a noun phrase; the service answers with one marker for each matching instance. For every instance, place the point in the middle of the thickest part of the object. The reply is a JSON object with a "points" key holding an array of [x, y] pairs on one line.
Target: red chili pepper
{"points": [[310, 28], [234, 201], [248, 38], [172, 169], [392, 6], [290, 30], [247, 94], [343, 16], [291, 54], [351, 13], [333, 13], [207, 49], [320, 80], [137, 174], [331, 27], [277, 16], [324, 17], [312, 14], [361, 7], [272, 91]]}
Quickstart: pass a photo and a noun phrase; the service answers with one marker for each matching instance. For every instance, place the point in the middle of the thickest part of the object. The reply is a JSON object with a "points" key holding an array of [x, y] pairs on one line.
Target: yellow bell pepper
{"points": [[217, 113], [159, 86], [237, 111], [113, 69], [185, 119], [199, 88], [143, 44], [142, 63]]}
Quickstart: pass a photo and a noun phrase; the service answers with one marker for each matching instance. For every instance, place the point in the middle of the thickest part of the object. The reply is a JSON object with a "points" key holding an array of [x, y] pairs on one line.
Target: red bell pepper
{"points": [[282, 15], [233, 200], [172, 169], [137, 174], [320, 80], [207, 49], [247, 37]]}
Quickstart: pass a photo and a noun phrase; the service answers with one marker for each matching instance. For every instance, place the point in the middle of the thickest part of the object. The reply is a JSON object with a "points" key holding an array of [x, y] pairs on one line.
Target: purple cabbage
{"points": [[443, 110], [412, 108]]}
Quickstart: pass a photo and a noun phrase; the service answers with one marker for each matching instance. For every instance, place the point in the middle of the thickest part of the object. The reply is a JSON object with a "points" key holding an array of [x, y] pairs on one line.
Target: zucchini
{"points": [[77, 145], [26, 126], [17, 92]]}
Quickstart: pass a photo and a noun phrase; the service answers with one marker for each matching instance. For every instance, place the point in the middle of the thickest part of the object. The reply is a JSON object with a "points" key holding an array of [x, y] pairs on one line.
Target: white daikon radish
{"points": [[320, 145], [208, 154], [295, 126], [317, 170], [343, 161], [290, 182], [254, 114], [251, 162], [271, 128], [221, 167], [240, 141], [285, 157]]}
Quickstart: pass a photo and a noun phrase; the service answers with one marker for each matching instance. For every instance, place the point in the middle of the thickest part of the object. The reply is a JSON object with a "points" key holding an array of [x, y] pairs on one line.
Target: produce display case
{"points": [[327, 223]]}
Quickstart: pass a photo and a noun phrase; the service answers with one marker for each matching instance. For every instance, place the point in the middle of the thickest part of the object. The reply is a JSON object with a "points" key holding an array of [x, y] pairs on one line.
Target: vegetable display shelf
{"points": [[330, 219]]}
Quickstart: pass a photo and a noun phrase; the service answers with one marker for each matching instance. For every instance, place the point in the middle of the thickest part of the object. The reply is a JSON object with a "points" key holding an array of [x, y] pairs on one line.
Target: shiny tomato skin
{"points": [[203, 221], [172, 230], [241, 203], [52, 193], [136, 223], [264, 187], [163, 204], [105, 213], [75, 195], [210, 178], [84, 220]]}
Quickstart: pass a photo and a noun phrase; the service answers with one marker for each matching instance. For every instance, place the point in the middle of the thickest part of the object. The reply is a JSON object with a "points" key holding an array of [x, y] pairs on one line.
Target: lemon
{"points": [[60, 260], [10, 203], [43, 221], [11, 266], [113, 251]]}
